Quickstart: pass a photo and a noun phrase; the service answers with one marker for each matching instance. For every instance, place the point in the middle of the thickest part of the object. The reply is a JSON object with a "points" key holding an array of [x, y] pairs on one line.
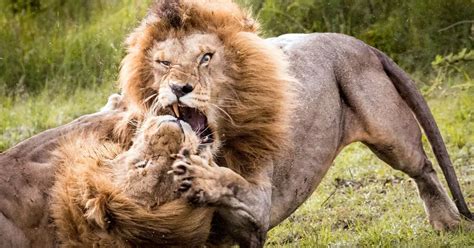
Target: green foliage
{"points": [[446, 66], [412, 31], [64, 45], [452, 68]]}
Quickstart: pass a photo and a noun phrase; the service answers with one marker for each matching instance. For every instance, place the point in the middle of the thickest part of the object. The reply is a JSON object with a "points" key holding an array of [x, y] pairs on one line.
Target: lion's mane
{"points": [[89, 210], [258, 95]]}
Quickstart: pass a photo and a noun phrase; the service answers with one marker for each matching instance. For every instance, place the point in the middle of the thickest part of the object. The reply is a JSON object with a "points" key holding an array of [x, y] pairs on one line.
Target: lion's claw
{"points": [[195, 177]]}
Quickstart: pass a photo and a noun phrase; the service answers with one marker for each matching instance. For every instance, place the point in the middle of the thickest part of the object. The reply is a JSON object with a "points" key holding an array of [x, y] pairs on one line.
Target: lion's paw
{"points": [[198, 178]]}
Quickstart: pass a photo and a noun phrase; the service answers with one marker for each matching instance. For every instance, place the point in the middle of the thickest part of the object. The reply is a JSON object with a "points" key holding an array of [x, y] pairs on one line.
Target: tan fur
{"points": [[247, 100], [100, 197], [244, 90]]}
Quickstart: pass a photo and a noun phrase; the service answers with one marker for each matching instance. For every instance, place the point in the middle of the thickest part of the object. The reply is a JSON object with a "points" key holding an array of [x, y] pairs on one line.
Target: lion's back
{"points": [[321, 61]]}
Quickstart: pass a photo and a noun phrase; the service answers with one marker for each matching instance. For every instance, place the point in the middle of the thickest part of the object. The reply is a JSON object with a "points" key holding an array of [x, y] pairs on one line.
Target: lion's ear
{"points": [[96, 211]]}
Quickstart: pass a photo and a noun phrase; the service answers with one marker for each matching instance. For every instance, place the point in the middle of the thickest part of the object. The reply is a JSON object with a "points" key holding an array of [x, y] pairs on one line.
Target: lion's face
{"points": [[187, 75], [141, 171], [203, 62]]}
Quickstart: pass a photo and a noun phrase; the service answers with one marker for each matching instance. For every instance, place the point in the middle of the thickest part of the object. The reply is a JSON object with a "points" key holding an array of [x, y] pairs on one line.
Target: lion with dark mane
{"points": [[276, 112]]}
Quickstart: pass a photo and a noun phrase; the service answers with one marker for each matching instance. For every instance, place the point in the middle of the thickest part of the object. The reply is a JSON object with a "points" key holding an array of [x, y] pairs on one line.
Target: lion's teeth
{"points": [[176, 109]]}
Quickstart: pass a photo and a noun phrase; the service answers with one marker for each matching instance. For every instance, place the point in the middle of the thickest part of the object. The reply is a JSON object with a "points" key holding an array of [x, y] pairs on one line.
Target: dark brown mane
{"points": [[169, 11]]}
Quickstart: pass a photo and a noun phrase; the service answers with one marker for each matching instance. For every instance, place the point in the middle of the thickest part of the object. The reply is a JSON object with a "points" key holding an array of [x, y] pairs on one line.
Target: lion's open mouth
{"points": [[196, 119]]}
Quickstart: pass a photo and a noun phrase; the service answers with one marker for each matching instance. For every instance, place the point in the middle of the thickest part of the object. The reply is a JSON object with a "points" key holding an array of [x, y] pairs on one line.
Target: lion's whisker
{"points": [[154, 106], [225, 112], [202, 131], [150, 97], [133, 123]]}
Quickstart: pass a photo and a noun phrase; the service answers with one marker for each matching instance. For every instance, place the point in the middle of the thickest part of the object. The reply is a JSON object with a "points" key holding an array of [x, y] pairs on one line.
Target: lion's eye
{"points": [[164, 63], [206, 58]]}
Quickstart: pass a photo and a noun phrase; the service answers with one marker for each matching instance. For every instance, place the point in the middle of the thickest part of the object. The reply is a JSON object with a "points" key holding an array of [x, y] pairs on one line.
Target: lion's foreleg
{"points": [[243, 204], [246, 212]]}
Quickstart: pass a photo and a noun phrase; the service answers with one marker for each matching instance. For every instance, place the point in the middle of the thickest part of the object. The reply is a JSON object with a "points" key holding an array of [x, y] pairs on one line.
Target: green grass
{"points": [[22, 117], [64, 47], [62, 62]]}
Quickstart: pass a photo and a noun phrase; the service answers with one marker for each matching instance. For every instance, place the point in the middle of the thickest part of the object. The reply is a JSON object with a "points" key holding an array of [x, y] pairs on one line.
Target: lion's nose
{"points": [[181, 90]]}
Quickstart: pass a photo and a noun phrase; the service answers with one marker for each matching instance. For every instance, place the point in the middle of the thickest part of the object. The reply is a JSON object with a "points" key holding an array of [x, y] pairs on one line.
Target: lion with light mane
{"points": [[276, 113], [107, 196]]}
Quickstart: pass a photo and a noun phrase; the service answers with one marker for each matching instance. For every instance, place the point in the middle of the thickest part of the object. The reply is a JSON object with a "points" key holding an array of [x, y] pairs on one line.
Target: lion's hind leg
{"points": [[393, 134], [441, 211], [388, 127]]}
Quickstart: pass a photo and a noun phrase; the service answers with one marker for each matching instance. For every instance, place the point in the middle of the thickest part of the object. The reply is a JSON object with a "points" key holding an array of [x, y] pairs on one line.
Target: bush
{"points": [[411, 31], [63, 44]]}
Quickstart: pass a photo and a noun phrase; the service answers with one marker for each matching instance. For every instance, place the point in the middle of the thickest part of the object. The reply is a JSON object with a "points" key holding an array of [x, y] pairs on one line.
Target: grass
{"points": [[60, 62], [22, 117], [60, 48], [66, 66]]}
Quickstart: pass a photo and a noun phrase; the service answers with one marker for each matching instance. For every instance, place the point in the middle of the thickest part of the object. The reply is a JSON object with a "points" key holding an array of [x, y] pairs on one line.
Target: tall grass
{"points": [[410, 31], [59, 62], [64, 45]]}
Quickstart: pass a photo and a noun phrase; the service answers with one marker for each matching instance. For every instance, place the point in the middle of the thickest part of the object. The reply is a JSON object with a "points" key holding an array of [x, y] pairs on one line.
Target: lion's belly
{"points": [[317, 123]]}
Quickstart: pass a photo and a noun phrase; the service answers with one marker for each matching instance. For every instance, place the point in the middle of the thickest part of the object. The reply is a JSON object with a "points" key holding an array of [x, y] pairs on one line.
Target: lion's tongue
{"points": [[195, 118], [198, 122]]}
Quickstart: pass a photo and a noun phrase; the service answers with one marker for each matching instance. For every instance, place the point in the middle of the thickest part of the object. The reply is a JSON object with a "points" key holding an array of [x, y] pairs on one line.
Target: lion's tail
{"points": [[408, 91]]}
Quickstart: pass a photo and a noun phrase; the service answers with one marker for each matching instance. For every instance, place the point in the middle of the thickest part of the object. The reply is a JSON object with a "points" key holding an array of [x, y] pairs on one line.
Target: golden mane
{"points": [[88, 209], [257, 98]]}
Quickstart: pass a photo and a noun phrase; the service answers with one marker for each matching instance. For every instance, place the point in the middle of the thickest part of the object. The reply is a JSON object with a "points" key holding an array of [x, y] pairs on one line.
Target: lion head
{"points": [[203, 62], [141, 171], [107, 196]]}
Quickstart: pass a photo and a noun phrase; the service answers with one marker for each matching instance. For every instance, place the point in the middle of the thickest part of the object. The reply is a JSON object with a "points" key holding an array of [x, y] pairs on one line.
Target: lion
{"points": [[105, 196], [275, 112], [316, 92]]}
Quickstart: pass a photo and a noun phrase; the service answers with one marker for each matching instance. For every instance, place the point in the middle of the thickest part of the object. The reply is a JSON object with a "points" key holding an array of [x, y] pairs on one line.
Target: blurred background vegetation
{"points": [[47, 43], [59, 59]]}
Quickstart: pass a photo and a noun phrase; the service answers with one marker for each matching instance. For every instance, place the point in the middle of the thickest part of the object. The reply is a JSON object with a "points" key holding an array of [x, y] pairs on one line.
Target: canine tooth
{"points": [[176, 109]]}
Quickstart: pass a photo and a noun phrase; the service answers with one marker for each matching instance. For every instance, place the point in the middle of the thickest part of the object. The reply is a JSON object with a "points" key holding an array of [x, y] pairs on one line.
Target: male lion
{"points": [[276, 112], [105, 196]]}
